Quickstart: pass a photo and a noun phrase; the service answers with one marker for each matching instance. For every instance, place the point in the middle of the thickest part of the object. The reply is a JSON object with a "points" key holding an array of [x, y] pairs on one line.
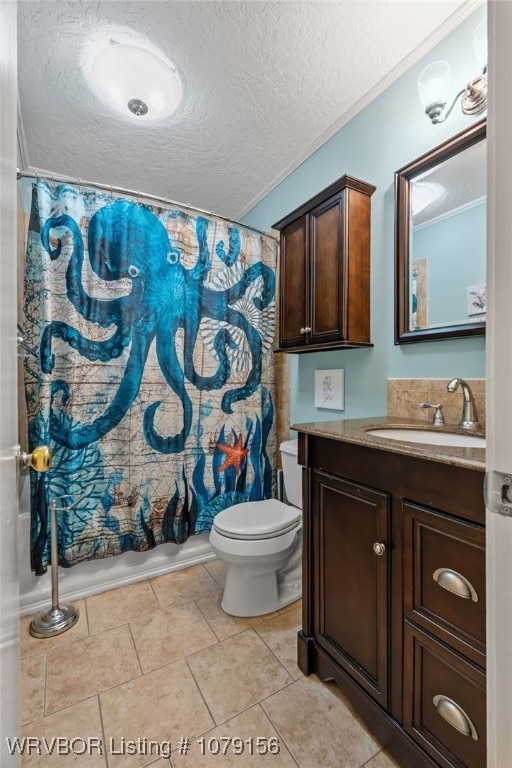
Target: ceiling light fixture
{"points": [[434, 83], [424, 193], [136, 82]]}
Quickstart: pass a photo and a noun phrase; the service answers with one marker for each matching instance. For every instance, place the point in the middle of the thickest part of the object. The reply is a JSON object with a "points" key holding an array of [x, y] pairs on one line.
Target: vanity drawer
{"points": [[444, 702], [444, 578]]}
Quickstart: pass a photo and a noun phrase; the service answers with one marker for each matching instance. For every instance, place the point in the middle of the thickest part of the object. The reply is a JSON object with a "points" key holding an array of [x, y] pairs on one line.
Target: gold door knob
{"points": [[40, 459]]}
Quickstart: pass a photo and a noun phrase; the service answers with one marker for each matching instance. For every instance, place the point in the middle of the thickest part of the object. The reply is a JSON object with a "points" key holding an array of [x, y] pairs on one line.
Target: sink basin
{"points": [[429, 437]]}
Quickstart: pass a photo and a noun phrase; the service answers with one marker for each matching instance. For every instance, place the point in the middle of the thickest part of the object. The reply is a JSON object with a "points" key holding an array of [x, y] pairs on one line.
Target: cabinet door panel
{"points": [[294, 284], [352, 580], [327, 269], [445, 578], [444, 702], [357, 260]]}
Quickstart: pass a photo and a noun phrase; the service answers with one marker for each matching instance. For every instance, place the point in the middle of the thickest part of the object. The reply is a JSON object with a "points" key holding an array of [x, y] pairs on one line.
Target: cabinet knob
{"points": [[307, 329], [379, 548], [455, 716], [455, 583]]}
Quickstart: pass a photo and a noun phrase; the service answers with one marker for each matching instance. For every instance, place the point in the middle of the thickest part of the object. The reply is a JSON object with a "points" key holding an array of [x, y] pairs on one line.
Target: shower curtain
{"points": [[151, 375]]}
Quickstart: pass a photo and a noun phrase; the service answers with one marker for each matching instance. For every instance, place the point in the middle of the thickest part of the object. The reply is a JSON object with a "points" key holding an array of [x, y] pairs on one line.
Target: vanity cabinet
{"points": [[444, 701], [444, 579], [444, 635], [394, 595], [324, 270], [350, 519]]}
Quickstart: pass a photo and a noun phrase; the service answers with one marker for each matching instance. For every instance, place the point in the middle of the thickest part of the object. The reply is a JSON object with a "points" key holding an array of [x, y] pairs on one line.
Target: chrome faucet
{"points": [[469, 419]]}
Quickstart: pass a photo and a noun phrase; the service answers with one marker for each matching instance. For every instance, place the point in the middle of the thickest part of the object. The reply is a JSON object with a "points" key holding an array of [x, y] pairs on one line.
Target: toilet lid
{"points": [[257, 520]]}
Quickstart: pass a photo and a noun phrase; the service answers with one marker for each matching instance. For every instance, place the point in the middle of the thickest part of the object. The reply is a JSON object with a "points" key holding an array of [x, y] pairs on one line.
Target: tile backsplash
{"points": [[405, 396]]}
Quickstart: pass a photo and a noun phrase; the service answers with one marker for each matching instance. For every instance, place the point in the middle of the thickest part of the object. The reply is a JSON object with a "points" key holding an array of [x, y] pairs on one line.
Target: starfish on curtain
{"points": [[235, 455]]}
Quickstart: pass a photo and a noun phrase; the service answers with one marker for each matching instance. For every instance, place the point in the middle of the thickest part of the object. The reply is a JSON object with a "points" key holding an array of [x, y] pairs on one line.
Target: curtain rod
{"points": [[59, 178]]}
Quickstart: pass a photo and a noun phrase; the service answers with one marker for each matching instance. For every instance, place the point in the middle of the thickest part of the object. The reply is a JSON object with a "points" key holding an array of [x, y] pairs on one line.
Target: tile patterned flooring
{"points": [[159, 660]]}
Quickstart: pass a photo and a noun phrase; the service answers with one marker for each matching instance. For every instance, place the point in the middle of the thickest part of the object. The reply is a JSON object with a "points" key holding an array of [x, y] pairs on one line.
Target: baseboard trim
{"points": [[91, 583], [8, 637], [381, 724]]}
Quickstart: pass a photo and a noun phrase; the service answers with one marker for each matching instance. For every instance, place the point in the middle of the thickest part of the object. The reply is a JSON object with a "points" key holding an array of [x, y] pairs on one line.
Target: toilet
{"points": [[261, 544]]}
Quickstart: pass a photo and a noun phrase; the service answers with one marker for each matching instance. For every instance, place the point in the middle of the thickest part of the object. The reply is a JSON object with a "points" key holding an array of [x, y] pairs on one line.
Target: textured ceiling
{"points": [[264, 84], [463, 179]]}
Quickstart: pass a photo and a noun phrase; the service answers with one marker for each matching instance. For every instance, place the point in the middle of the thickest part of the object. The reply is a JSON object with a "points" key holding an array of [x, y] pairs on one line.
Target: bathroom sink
{"points": [[429, 437]]}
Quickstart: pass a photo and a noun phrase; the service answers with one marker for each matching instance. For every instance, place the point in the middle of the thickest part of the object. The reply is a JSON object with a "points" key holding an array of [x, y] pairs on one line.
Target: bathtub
{"points": [[95, 576]]}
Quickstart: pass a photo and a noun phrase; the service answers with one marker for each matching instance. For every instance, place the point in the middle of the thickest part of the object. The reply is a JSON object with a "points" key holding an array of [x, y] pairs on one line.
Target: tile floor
{"points": [[159, 660]]}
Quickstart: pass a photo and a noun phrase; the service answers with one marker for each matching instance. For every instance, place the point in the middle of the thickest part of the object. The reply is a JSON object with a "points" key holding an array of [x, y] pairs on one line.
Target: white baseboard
{"points": [[95, 576]]}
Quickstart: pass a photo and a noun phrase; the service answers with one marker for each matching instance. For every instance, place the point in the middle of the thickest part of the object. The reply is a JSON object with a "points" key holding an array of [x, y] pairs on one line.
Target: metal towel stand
{"points": [[59, 618]]}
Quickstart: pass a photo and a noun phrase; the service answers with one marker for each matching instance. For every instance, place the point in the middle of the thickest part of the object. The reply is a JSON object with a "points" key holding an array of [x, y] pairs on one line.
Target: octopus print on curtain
{"points": [[152, 374]]}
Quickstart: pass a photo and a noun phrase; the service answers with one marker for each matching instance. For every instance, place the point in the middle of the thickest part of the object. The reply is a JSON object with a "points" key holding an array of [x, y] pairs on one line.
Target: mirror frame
{"points": [[403, 335]]}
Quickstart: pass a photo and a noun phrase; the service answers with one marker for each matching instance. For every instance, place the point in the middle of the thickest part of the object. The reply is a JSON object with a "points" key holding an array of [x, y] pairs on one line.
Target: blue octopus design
{"points": [[127, 240]]}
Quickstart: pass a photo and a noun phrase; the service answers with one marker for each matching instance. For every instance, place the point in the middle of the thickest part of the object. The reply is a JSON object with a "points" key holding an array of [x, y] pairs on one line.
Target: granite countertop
{"points": [[356, 431]]}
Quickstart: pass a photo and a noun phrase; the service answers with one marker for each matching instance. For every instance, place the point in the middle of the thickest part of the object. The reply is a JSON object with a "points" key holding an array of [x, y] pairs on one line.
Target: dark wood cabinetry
{"points": [[444, 579], [352, 628], [294, 283], [394, 596], [324, 284], [444, 701]]}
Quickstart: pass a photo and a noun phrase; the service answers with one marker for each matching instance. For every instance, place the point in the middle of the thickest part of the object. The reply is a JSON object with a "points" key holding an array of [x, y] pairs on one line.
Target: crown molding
{"points": [[448, 214], [451, 23]]}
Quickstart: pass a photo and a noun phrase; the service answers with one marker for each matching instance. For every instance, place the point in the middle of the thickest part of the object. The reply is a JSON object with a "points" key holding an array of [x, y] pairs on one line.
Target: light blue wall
{"points": [[388, 134], [455, 251]]}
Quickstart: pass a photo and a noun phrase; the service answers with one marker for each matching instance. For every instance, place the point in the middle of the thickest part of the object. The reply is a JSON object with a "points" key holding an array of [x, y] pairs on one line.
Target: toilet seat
{"points": [[257, 520]]}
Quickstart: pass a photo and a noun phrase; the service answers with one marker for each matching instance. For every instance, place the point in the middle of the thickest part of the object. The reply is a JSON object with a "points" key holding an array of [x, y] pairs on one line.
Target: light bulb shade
{"points": [[480, 43], [423, 194], [434, 83], [126, 77]]}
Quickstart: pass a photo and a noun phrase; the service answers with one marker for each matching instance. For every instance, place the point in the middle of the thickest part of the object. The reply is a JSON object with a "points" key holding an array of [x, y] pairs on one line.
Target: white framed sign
{"points": [[329, 389]]}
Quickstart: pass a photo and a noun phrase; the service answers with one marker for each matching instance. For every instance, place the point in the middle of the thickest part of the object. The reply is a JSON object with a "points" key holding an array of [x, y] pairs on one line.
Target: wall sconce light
{"points": [[434, 83]]}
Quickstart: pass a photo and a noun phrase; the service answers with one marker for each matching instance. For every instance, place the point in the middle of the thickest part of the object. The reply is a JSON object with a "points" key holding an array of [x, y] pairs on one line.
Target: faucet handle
{"points": [[438, 418]]}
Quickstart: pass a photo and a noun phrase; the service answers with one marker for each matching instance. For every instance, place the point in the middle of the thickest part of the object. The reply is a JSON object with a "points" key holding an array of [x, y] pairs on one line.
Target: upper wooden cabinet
{"points": [[324, 283]]}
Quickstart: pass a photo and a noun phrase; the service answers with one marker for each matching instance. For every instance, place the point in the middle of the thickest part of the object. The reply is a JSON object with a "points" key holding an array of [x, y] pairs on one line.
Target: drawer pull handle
{"points": [[455, 716], [379, 548], [456, 583], [307, 329]]}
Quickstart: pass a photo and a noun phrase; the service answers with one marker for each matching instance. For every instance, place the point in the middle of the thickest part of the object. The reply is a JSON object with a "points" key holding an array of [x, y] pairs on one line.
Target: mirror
{"points": [[440, 241]]}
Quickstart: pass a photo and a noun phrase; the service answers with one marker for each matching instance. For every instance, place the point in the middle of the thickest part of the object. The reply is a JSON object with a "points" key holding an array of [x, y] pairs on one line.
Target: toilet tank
{"points": [[292, 472]]}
